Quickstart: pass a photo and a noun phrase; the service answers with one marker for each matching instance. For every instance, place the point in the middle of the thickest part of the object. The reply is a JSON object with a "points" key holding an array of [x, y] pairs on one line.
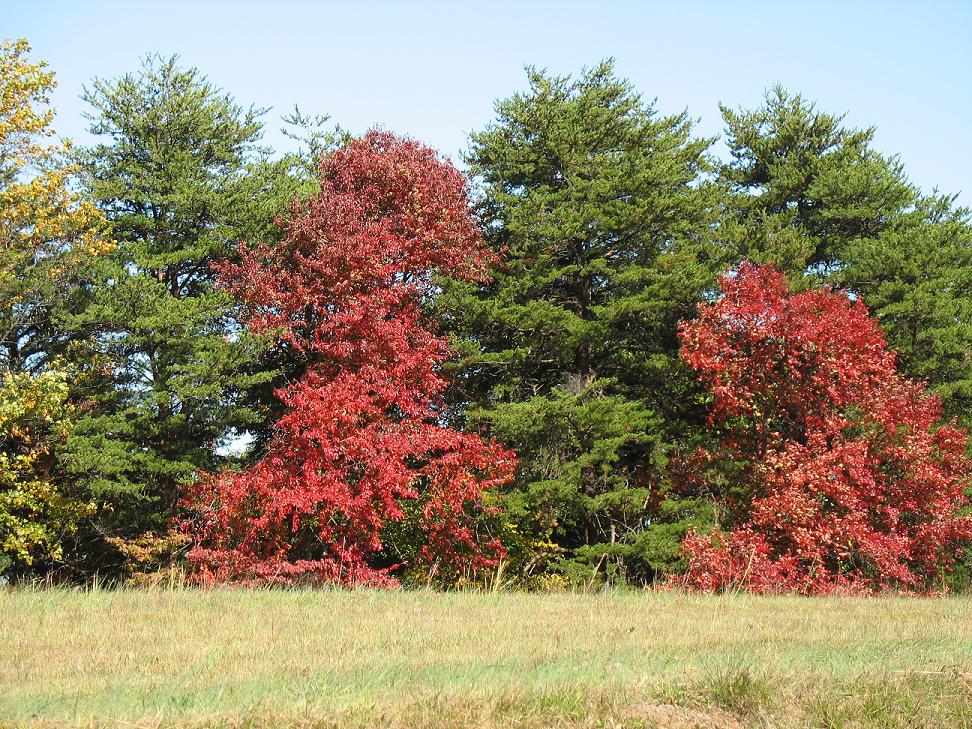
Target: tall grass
{"points": [[400, 658]]}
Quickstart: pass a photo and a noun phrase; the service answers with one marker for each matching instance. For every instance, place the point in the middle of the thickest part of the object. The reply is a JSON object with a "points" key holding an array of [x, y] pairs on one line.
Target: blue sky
{"points": [[433, 70]]}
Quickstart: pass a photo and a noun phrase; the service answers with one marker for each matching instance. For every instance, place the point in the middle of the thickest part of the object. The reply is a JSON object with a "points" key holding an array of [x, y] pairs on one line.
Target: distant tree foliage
{"points": [[917, 279], [176, 180], [39, 513], [813, 198], [50, 233], [802, 187]]}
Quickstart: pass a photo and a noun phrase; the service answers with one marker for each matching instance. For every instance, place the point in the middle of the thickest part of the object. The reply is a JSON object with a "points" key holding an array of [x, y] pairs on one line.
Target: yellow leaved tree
{"points": [[48, 235]]}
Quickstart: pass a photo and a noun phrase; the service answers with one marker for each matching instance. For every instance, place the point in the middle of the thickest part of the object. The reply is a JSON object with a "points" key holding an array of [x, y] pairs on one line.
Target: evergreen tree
{"points": [[813, 197], [917, 279], [802, 186], [179, 181], [570, 355]]}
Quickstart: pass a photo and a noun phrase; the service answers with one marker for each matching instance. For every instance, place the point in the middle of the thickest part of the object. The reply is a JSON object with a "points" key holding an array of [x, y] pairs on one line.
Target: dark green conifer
{"points": [[599, 206], [813, 197], [182, 182]]}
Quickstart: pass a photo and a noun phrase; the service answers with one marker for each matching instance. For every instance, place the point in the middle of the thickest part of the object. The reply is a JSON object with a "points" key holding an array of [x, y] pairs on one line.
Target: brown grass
{"points": [[372, 658]]}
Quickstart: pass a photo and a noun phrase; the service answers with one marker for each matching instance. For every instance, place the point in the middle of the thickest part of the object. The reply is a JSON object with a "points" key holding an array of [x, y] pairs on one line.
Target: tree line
{"points": [[605, 356]]}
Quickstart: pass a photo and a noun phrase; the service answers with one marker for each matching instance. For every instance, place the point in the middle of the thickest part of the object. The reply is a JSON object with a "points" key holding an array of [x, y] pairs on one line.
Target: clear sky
{"points": [[433, 69]]}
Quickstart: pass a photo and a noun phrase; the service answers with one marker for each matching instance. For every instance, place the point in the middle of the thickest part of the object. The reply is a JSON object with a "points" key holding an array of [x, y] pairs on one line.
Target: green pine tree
{"points": [[813, 197], [599, 208], [802, 186], [182, 181], [917, 279]]}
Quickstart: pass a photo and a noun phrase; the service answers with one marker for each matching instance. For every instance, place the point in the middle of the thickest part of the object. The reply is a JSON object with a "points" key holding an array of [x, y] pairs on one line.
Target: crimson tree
{"points": [[362, 447], [830, 468]]}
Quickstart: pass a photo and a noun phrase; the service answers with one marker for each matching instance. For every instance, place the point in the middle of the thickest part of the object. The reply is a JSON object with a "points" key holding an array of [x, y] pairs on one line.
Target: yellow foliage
{"points": [[47, 232], [35, 515], [41, 217]]}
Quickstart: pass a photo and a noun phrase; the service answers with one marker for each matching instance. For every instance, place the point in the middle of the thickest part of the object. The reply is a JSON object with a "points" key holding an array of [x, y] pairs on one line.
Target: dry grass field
{"points": [[311, 658]]}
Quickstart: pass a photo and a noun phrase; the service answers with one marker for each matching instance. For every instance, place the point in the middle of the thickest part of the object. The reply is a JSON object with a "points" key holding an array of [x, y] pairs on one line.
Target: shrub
{"points": [[830, 469]]}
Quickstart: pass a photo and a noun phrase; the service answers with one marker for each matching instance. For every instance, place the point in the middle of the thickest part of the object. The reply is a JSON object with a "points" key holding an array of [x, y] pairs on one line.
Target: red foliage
{"points": [[829, 465], [362, 445]]}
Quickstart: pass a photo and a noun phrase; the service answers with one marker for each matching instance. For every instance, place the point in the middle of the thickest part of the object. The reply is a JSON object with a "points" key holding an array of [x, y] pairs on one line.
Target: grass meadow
{"points": [[330, 657]]}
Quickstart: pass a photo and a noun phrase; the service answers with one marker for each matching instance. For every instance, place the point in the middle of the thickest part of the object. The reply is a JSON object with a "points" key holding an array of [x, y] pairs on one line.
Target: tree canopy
{"points": [[831, 471], [605, 355], [358, 452], [49, 236], [174, 178]]}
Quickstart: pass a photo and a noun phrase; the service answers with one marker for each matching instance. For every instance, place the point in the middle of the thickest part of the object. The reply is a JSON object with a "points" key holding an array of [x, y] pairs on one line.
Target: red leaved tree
{"points": [[361, 448], [830, 468]]}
